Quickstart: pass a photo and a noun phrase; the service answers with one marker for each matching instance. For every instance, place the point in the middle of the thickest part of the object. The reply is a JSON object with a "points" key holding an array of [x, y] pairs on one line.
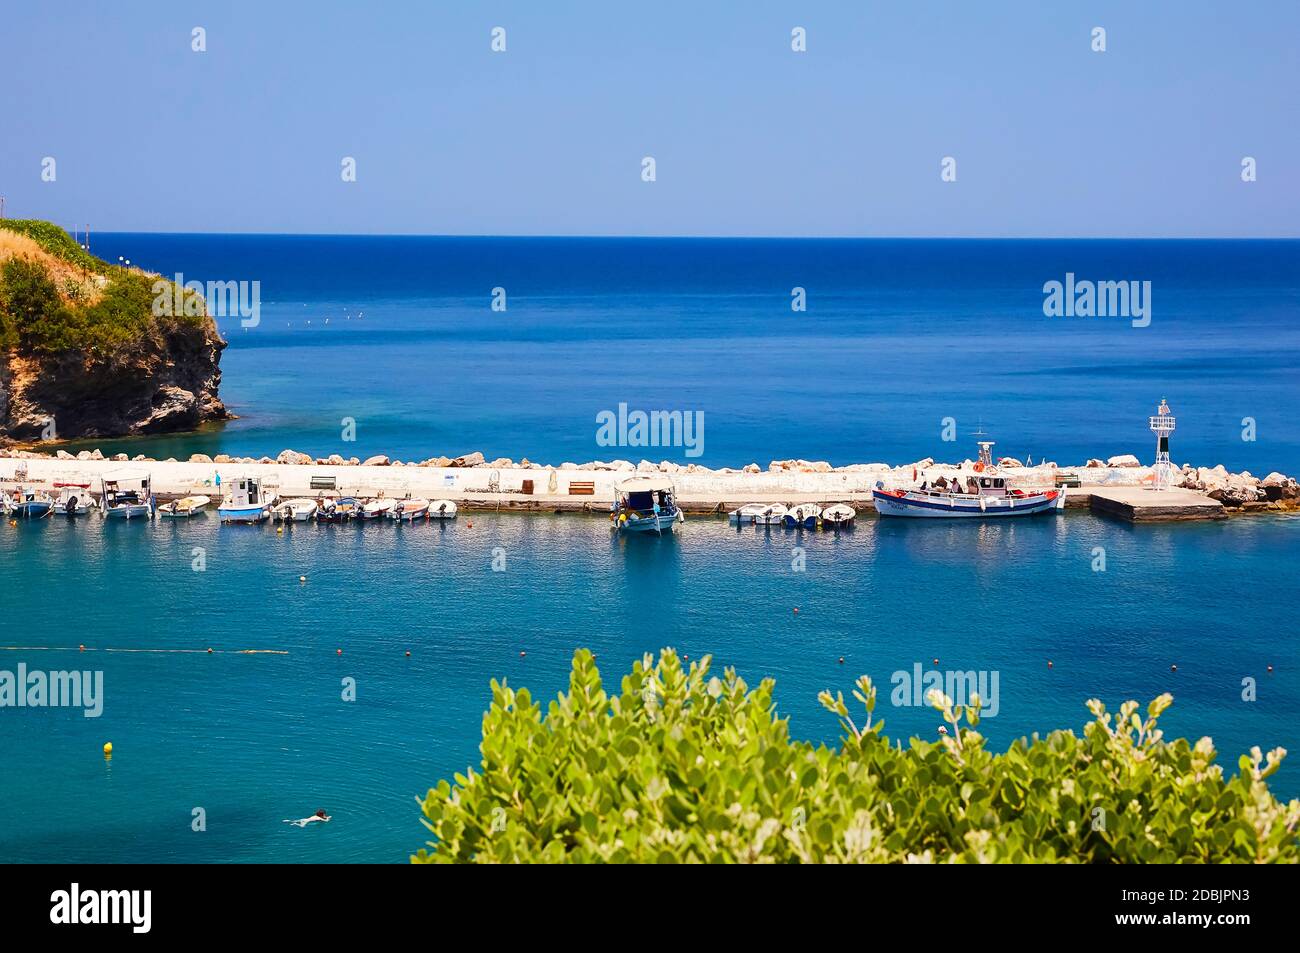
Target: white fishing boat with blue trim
{"points": [[986, 495], [245, 501], [126, 495], [645, 505]]}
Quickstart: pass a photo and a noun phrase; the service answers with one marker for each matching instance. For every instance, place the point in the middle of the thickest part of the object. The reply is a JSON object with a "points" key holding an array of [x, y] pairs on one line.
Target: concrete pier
{"points": [[582, 489], [1141, 504]]}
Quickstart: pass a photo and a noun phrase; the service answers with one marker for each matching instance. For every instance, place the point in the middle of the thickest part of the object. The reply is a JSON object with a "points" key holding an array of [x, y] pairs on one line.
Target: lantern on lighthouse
{"points": [[1162, 425]]}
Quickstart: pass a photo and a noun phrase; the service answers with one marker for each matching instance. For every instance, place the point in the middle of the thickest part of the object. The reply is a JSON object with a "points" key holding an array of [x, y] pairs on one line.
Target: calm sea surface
{"points": [[897, 336]]}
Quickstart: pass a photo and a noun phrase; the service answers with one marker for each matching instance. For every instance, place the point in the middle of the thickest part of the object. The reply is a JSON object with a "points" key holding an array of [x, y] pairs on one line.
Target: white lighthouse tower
{"points": [[1162, 425]]}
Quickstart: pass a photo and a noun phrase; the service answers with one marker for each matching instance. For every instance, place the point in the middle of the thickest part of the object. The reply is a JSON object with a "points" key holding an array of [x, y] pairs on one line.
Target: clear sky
{"points": [[749, 137]]}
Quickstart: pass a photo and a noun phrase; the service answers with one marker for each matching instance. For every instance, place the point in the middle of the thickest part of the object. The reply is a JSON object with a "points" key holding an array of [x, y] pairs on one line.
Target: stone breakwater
{"points": [[503, 483]]}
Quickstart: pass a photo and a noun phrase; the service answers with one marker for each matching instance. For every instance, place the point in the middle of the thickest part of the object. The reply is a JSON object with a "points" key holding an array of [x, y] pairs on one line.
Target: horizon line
{"points": [[755, 238]]}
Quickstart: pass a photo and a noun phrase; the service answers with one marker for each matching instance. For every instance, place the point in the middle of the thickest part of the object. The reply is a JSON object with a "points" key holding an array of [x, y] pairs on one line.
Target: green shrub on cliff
{"points": [[57, 242], [686, 767], [34, 319]]}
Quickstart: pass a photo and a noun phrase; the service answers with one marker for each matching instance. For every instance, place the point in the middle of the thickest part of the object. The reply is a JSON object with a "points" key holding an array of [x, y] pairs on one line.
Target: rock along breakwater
{"points": [[1119, 485]]}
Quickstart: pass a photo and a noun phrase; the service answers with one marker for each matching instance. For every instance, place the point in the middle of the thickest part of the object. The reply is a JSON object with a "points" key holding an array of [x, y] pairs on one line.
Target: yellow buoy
{"points": [[108, 748]]}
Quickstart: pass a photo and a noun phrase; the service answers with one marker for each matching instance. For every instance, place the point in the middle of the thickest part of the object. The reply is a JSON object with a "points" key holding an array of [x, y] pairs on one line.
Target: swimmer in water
{"points": [[303, 822]]}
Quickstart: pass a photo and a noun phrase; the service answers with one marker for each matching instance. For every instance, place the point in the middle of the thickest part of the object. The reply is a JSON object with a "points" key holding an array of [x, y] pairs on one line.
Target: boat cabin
{"points": [[644, 494], [244, 491], [124, 488]]}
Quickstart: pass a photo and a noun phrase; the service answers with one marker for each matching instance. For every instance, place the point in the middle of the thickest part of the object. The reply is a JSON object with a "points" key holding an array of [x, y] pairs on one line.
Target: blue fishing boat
{"points": [[28, 503], [645, 505]]}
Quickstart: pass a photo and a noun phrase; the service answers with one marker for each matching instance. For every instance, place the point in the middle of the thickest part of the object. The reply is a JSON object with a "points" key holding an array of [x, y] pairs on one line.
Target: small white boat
{"points": [[803, 516], [442, 510], [245, 501], [296, 511], [74, 499], [338, 510], [758, 514], [377, 509], [838, 516], [185, 508], [409, 510], [126, 495]]}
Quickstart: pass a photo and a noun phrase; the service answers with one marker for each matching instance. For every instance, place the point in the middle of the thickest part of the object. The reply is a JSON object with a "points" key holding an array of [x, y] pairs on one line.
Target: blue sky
{"points": [[750, 138]]}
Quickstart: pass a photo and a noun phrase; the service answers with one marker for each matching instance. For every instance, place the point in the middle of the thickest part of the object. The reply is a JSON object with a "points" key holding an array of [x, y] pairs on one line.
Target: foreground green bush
{"points": [[686, 767]]}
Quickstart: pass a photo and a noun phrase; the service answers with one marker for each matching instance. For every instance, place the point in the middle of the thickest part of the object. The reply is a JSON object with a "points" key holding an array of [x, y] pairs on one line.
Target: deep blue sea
{"points": [[897, 336]]}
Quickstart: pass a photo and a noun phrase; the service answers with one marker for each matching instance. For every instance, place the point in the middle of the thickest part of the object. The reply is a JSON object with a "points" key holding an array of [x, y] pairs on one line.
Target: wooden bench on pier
{"points": [[582, 488]]}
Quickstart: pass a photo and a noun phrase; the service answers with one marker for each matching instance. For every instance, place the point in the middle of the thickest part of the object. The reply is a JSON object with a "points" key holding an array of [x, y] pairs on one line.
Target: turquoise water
{"points": [[255, 739], [898, 335]]}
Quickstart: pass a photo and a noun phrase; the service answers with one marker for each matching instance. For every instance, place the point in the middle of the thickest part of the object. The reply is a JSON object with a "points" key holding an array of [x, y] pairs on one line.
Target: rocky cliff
{"points": [[168, 381], [87, 351]]}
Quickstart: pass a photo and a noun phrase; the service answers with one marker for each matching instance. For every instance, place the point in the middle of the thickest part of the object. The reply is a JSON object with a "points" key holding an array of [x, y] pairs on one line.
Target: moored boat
{"points": [[29, 503], [838, 516], [245, 501], [985, 495], [338, 510], [378, 508], [408, 510], [803, 516], [645, 505], [297, 510], [73, 499], [184, 508], [126, 495], [758, 514], [442, 510]]}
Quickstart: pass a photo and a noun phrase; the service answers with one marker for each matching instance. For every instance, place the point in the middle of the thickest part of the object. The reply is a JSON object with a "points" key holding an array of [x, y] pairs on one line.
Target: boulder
{"points": [[1123, 460], [1010, 462], [468, 460], [502, 463], [64, 455], [139, 458], [378, 460], [751, 468], [222, 458], [646, 466], [293, 458], [200, 458]]}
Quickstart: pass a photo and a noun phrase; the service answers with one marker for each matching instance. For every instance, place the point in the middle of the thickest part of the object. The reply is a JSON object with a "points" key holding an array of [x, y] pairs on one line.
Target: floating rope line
{"points": [[73, 648]]}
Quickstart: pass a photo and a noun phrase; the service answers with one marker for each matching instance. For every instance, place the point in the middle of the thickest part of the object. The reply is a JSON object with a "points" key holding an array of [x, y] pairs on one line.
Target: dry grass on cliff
{"points": [[73, 285]]}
